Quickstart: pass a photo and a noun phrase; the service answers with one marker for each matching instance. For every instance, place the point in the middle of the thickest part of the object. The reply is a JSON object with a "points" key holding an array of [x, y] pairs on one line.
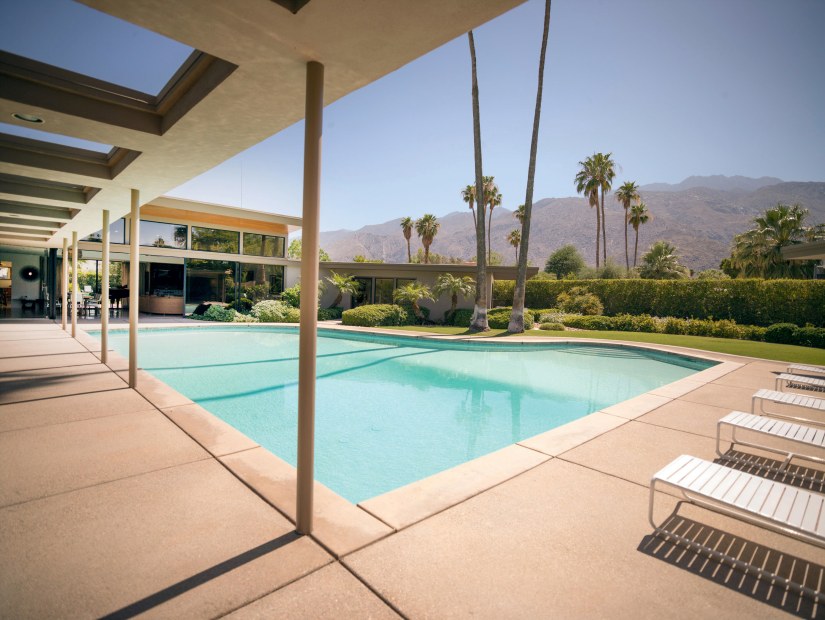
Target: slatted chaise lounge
{"points": [[774, 505], [810, 442], [802, 368], [799, 382], [789, 398]]}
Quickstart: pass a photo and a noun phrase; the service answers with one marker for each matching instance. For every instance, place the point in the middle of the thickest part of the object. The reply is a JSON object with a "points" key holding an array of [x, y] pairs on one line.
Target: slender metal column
{"points": [[104, 293], [74, 284], [64, 283], [134, 285], [313, 126]]}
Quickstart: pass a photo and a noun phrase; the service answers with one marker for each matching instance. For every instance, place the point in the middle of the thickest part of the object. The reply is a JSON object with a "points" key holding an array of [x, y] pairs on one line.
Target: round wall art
{"points": [[29, 273]]}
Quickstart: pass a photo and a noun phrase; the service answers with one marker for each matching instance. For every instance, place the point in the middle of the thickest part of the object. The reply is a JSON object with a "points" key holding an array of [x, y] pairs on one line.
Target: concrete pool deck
{"points": [[120, 502]]}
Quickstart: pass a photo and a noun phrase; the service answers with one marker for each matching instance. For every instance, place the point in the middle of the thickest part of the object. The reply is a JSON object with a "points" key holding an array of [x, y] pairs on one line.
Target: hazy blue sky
{"points": [[672, 87]]}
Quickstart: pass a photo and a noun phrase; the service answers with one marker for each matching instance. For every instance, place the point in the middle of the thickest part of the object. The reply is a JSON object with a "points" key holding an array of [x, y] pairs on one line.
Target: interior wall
{"points": [[19, 286]]}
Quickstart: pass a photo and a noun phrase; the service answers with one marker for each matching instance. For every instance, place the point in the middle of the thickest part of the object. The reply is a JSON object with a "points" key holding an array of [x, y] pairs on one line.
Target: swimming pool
{"points": [[393, 410]]}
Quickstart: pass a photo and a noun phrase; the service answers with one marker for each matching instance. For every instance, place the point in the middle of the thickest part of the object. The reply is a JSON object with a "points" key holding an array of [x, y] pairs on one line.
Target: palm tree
{"points": [[479, 320], [344, 284], [638, 215], [411, 294], [468, 194], [662, 263], [454, 286], [427, 228], [492, 199], [758, 252], [596, 176], [407, 226], [519, 214], [516, 324], [627, 194], [514, 239]]}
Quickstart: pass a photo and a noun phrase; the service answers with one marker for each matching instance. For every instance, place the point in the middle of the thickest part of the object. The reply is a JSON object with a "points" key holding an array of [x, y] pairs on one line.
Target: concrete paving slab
{"points": [[635, 451], [185, 542], [29, 348], [728, 397], [754, 375], [47, 460], [51, 382], [677, 388], [329, 593], [71, 408], [682, 415], [572, 434], [416, 501], [28, 335], [58, 360], [339, 525], [155, 391], [218, 437], [538, 546]]}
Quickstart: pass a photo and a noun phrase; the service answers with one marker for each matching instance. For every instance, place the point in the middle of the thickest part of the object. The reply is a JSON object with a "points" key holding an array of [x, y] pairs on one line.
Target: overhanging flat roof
{"points": [[245, 83], [805, 251]]}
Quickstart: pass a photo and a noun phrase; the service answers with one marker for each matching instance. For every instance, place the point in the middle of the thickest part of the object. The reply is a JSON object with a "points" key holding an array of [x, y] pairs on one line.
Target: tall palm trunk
{"points": [[479, 322], [604, 232], [626, 255], [517, 315], [598, 230], [636, 247], [409, 251], [489, 234]]}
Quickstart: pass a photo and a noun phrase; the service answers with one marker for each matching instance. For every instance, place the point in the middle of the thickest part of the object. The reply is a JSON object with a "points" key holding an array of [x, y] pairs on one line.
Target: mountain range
{"points": [[699, 216]]}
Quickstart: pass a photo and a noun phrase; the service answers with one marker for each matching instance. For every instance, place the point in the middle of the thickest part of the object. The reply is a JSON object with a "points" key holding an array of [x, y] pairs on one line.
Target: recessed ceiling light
{"points": [[29, 118]]}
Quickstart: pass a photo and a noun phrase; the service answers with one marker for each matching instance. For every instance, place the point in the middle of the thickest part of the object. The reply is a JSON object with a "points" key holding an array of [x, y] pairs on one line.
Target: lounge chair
{"points": [[799, 382], [789, 398], [798, 368], [810, 441], [767, 503]]}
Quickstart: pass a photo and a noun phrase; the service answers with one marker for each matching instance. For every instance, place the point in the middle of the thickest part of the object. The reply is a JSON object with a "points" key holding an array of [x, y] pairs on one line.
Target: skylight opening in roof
{"points": [[75, 37], [54, 138]]}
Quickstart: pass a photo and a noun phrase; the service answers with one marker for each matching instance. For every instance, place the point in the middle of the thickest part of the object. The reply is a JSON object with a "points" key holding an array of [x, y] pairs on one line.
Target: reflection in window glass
{"points": [[274, 246], [252, 244], [215, 240], [383, 290], [162, 235], [117, 233], [263, 245], [364, 293], [403, 281], [210, 280], [259, 282]]}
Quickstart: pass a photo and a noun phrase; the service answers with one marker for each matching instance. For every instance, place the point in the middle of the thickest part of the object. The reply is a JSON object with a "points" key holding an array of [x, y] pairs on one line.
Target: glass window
{"points": [[165, 280], [259, 282], [215, 240], [402, 281], [162, 235], [209, 280], [383, 290], [364, 293], [117, 233], [263, 245], [274, 246], [252, 244]]}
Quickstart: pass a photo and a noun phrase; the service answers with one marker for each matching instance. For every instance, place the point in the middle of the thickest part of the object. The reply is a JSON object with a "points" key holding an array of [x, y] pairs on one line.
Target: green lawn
{"points": [[764, 350]]}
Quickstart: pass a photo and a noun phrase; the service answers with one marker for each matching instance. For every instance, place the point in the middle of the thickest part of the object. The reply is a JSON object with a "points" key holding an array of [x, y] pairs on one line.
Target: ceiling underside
{"points": [[244, 83]]}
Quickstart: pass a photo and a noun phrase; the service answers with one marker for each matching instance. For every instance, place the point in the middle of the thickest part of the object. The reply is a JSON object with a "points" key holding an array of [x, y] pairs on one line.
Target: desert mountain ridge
{"points": [[700, 221]]}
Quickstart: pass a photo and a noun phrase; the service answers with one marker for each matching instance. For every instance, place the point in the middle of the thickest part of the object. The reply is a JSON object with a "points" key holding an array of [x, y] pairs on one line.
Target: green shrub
{"points": [[753, 332], [600, 323], [243, 304], [782, 333], [218, 313], [810, 336], [578, 300], [631, 323], [746, 301], [460, 318], [329, 314], [552, 327], [273, 311], [499, 318], [550, 315], [376, 315]]}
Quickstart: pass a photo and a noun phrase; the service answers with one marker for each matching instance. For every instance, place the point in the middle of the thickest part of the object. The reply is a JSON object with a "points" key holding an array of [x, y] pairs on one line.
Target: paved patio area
{"points": [[117, 502]]}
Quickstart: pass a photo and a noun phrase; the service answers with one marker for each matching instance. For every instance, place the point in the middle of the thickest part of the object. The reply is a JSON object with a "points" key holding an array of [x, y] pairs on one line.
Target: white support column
{"points": [[74, 284], [313, 126], [64, 284], [104, 293], [134, 285]]}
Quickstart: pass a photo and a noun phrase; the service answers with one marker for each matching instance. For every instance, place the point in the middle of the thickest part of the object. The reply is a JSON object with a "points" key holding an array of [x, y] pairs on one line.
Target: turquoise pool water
{"points": [[390, 410]]}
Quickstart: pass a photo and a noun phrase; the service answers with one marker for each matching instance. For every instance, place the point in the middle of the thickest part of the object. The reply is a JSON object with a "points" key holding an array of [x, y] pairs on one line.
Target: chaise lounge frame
{"points": [[767, 503]]}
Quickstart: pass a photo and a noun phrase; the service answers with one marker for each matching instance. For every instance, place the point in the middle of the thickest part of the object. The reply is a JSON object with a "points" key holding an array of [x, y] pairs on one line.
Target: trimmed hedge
{"points": [[273, 311], [376, 315], [746, 301], [499, 318]]}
